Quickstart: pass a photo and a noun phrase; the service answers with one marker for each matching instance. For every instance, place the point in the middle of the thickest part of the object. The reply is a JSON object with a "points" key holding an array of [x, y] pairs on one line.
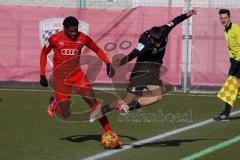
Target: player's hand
{"points": [[191, 12], [43, 81], [110, 70]]}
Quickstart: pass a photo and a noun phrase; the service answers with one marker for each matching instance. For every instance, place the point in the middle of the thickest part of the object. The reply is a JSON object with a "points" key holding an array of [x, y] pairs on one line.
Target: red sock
{"points": [[103, 121], [105, 124], [94, 106]]}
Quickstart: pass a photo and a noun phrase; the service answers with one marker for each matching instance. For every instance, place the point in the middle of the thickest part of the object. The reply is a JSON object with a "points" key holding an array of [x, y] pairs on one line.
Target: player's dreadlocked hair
{"points": [[70, 21]]}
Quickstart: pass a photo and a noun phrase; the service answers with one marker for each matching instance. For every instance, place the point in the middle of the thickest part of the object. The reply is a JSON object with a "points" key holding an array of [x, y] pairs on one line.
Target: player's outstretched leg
{"points": [[155, 94], [120, 105], [100, 111]]}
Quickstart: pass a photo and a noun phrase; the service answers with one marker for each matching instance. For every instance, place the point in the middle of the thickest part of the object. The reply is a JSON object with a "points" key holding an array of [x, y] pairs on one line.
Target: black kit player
{"points": [[149, 51]]}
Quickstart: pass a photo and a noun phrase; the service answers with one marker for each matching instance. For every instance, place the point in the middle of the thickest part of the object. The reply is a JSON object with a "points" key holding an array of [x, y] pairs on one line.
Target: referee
{"points": [[232, 37]]}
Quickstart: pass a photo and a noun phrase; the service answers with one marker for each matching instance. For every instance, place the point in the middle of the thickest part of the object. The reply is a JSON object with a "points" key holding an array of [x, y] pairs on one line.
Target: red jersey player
{"points": [[67, 73]]}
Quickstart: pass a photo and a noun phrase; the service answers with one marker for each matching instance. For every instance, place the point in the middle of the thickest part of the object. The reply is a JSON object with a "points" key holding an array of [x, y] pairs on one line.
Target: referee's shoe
{"points": [[224, 116]]}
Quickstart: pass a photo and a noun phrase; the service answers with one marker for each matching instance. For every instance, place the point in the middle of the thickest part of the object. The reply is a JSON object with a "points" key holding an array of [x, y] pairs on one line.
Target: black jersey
{"points": [[145, 50]]}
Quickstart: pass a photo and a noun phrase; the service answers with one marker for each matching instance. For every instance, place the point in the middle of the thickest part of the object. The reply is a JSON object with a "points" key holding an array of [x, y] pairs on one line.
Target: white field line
{"points": [[152, 139]]}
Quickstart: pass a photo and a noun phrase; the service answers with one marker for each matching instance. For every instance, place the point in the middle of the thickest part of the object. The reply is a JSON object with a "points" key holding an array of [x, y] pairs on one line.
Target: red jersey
{"points": [[66, 50]]}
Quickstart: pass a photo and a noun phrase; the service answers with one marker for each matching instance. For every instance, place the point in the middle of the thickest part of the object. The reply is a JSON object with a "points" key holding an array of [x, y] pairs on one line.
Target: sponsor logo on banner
{"points": [[48, 27]]}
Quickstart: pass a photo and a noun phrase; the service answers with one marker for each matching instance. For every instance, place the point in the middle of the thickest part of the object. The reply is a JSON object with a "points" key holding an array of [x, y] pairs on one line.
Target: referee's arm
{"points": [[238, 43]]}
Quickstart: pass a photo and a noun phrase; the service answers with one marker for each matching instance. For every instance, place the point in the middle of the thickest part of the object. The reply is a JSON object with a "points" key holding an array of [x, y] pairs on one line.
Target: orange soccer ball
{"points": [[110, 140]]}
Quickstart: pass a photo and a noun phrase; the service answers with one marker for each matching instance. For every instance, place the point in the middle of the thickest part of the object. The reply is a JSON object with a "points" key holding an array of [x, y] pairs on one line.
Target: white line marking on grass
{"points": [[152, 139], [212, 148]]}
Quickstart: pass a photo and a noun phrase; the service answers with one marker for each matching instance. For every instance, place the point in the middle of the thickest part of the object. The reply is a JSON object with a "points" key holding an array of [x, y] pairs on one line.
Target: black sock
{"points": [[134, 105], [106, 108], [227, 108]]}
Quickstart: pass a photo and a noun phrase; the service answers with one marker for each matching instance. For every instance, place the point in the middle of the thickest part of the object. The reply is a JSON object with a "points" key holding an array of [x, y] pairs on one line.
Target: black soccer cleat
{"points": [[224, 116]]}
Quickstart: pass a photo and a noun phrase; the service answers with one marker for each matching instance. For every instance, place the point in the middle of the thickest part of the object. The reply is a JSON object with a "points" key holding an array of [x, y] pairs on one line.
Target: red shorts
{"points": [[63, 85]]}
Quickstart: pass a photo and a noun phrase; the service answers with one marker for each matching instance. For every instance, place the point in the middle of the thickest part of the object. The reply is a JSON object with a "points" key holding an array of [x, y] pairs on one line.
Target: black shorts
{"points": [[144, 74], [234, 68]]}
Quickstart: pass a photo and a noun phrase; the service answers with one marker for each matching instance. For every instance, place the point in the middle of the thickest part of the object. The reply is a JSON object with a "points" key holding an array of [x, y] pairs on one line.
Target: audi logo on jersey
{"points": [[69, 52]]}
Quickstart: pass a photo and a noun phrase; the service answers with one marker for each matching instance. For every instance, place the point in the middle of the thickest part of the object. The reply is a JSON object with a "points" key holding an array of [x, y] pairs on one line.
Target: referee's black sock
{"points": [[227, 108], [134, 105]]}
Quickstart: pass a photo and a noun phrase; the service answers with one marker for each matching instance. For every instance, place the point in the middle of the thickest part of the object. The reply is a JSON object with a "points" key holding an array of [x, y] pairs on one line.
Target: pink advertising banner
{"points": [[24, 30]]}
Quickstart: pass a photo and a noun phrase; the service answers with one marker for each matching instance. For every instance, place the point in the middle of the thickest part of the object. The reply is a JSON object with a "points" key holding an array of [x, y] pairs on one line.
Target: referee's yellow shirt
{"points": [[232, 36]]}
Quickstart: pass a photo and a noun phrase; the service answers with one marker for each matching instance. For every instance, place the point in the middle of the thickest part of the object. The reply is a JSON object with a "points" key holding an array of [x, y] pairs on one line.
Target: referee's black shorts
{"points": [[234, 68]]}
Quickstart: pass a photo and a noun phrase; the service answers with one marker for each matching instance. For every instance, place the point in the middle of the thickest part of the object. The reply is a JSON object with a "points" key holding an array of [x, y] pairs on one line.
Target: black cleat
{"points": [[224, 116]]}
